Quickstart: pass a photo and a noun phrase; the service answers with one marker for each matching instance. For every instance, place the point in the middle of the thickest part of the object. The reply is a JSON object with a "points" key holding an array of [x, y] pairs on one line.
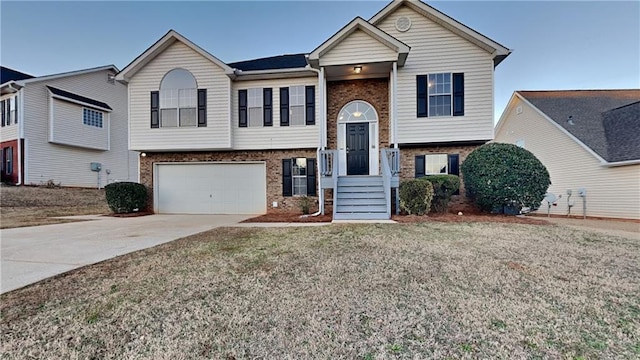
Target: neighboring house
{"points": [[54, 127], [407, 93], [587, 139]]}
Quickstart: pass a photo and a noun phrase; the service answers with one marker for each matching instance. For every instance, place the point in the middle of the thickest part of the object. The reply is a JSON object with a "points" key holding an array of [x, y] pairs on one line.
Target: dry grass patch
{"points": [[431, 290], [30, 206]]}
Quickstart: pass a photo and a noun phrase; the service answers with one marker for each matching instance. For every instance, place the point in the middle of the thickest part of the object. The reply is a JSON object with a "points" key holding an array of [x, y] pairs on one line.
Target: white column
{"points": [[394, 120]]}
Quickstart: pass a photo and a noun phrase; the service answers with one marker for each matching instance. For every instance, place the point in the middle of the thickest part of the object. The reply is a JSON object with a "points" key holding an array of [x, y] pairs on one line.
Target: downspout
{"points": [[320, 138], [19, 111]]}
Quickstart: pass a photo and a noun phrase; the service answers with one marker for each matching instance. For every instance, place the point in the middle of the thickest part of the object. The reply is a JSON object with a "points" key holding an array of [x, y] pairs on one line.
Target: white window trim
{"points": [[450, 94]]}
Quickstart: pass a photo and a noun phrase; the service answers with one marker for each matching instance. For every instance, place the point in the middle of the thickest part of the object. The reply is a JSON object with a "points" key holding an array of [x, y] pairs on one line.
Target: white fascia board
{"points": [[563, 130], [66, 74], [360, 24], [158, 47], [446, 21], [622, 163], [274, 73]]}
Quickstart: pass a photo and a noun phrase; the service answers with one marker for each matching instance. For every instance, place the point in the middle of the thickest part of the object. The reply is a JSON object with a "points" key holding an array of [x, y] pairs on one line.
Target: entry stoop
{"points": [[361, 198]]}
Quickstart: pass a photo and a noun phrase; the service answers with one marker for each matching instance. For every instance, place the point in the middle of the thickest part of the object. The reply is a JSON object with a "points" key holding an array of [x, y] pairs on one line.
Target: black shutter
{"points": [[311, 177], [16, 104], [8, 109], [420, 166], [458, 94], [454, 168], [284, 106], [421, 91], [267, 95], [3, 113], [202, 107], [310, 104], [155, 104], [242, 108], [287, 180]]}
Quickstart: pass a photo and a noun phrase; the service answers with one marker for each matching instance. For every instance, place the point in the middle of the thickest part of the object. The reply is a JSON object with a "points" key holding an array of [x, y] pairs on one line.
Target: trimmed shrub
{"points": [[504, 175], [443, 187], [415, 196], [126, 197]]}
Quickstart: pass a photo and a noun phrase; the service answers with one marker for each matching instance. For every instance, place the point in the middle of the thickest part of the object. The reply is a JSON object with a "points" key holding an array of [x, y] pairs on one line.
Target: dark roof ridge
{"points": [[621, 107]]}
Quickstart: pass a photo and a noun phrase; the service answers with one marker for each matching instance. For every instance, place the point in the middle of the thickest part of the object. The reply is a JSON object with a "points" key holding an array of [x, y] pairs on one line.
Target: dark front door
{"points": [[358, 149]]}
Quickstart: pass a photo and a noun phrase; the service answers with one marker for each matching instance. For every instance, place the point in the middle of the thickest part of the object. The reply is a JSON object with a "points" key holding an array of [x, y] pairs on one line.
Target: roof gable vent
{"points": [[403, 23]]}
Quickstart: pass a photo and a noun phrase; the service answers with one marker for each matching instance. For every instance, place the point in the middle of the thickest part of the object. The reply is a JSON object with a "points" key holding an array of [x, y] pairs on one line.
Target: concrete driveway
{"points": [[31, 254]]}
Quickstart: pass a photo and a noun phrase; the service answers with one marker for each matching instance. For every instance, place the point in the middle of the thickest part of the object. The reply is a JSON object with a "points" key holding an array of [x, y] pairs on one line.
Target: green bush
{"points": [[126, 197], [498, 175], [415, 196], [443, 187]]}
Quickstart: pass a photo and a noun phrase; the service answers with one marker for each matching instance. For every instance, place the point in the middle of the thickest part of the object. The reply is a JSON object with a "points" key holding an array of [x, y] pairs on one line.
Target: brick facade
{"points": [[373, 91], [408, 163], [13, 177], [272, 158]]}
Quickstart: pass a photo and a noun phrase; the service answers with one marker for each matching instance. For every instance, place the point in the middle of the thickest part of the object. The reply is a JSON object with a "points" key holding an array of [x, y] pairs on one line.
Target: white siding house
{"points": [[66, 122], [364, 108], [577, 154]]}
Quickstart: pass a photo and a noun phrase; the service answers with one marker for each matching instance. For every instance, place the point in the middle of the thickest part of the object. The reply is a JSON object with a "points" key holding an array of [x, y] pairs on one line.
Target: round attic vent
{"points": [[403, 23]]}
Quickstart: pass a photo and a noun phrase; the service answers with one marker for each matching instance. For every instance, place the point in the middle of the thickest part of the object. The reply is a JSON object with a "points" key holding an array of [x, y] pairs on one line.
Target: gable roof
{"points": [[65, 95], [289, 61], [499, 52], [7, 74], [605, 121], [360, 24], [158, 47]]}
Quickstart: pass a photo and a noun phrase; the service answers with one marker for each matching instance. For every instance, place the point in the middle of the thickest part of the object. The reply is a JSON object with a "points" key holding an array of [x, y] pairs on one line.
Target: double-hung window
{"points": [[179, 103], [440, 94], [255, 101], [299, 177], [437, 164], [8, 160], [298, 105]]}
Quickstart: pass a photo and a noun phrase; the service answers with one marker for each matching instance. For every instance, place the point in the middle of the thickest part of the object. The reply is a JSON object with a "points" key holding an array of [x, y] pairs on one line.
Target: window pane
{"points": [[178, 79], [436, 164], [300, 166], [296, 115], [440, 105], [300, 185], [255, 116], [187, 98], [296, 95], [188, 117], [169, 117]]}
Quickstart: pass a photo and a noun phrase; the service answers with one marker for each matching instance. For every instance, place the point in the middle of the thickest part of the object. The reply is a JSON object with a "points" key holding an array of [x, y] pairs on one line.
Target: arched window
{"points": [[178, 99], [358, 111]]}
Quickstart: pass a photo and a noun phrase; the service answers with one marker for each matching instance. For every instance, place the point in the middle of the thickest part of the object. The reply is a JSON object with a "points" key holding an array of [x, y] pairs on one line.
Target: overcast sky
{"points": [[557, 45]]}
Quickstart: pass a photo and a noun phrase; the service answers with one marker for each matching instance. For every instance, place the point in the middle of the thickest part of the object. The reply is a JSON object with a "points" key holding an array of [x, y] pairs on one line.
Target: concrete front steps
{"points": [[360, 198]]}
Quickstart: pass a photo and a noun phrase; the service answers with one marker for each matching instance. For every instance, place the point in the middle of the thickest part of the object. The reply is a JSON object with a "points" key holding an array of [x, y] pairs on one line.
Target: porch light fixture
{"points": [[357, 69]]}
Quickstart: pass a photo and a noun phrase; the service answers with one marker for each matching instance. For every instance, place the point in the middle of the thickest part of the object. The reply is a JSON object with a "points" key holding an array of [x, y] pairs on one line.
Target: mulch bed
{"points": [[134, 214], [288, 218]]}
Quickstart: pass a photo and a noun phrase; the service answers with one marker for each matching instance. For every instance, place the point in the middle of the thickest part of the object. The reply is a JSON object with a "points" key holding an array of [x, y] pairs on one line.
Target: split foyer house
{"points": [[404, 94], [68, 128], [588, 140]]}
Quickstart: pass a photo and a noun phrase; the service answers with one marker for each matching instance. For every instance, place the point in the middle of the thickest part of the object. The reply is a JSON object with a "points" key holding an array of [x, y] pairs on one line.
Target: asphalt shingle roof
{"points": [[607, 121], [7, 74], [270, 63], [77, 97]]}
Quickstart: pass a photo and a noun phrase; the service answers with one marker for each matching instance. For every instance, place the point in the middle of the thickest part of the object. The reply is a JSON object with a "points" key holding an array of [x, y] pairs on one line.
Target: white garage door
{"points": [[220, 188]]}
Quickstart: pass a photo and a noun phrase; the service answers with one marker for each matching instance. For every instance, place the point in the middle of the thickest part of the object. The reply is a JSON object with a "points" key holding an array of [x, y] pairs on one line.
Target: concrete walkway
{"points": [[31, 254]]}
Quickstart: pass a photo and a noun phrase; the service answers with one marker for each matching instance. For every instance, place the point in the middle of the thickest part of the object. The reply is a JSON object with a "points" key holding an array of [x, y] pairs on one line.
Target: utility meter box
{"points": [[582, 192], [96, 166]]}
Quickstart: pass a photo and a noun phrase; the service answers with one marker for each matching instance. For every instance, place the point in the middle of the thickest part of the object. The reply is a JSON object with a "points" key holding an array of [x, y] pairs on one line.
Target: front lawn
{"points": [[431, 290], [30, 205]]}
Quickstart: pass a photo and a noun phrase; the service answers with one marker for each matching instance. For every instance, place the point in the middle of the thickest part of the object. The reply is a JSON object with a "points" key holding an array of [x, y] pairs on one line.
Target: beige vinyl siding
{"points": [[8, 132], [358, 47], [70, 165], [216, 135], [611, 191], [437, 50], [67, 127], [276, 136]]}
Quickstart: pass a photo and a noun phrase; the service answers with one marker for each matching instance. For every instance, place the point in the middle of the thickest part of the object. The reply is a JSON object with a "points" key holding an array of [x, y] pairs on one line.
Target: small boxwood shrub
{"points": [[498, 175], [415, 197], [444, 186], [126, 197]]}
